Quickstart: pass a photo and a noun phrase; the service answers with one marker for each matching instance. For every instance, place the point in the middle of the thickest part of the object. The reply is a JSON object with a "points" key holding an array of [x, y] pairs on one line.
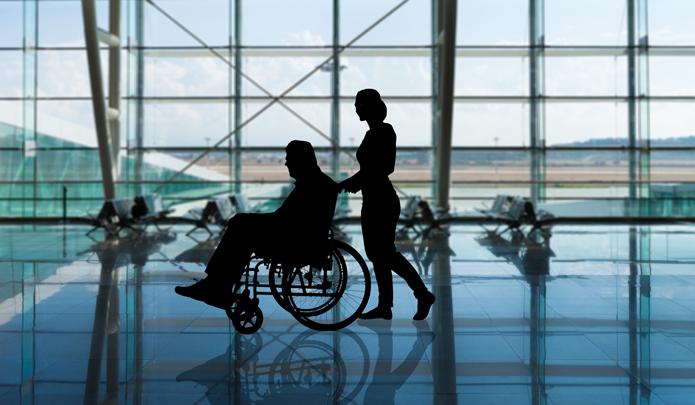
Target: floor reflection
{"points": [[594, 315], [308, 367], [387, 379]]}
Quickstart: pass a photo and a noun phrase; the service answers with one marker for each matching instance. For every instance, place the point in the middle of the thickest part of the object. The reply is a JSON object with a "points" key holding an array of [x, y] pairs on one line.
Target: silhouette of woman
{"points": [[381, 208]]}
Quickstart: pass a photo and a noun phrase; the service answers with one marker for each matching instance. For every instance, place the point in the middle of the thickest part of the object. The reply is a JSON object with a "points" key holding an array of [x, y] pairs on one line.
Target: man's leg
{"points": [[234, 250], [227, 263]]}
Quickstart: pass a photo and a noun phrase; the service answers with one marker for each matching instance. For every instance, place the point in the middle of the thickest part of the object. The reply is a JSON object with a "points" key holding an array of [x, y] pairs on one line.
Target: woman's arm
{"points": [[352, 184]]}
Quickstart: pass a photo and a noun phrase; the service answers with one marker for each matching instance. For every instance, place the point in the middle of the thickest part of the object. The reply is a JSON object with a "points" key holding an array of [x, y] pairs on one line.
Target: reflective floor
{"points": [[598, 315]]}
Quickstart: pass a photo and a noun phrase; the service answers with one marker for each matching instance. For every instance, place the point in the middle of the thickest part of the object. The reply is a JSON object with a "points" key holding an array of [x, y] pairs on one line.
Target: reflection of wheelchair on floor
{"points": [[326, 293], [307, 366]]}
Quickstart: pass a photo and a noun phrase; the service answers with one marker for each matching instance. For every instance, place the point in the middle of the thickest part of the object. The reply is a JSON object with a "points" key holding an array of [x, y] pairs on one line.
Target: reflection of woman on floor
{"points": [[381, 208], [385, 381]]}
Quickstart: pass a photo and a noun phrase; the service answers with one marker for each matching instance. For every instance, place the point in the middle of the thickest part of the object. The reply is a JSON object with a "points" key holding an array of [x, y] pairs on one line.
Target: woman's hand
{"points": [[349, 185]]}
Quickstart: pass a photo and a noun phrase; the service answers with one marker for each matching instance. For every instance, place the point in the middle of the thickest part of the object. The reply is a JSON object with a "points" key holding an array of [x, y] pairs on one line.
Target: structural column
{"points": [[445, 62], [443, 346], [536, 98], [104, 141]]}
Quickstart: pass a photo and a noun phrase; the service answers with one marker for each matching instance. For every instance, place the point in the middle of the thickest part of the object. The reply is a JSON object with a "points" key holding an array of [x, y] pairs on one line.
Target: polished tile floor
{"points": [[599, 315]]}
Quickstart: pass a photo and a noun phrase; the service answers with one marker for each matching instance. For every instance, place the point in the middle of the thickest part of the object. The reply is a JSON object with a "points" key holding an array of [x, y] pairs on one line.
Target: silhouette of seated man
{"points": [[295, 232]]}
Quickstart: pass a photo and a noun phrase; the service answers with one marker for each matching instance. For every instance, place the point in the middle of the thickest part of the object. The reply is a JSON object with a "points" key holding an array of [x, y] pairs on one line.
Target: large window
{"points": [[562, 88]]}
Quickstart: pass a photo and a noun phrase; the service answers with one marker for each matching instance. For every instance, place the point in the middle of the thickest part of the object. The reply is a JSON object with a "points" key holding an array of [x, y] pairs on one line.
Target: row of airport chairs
{"points": [[516, 212], [135, 214]]}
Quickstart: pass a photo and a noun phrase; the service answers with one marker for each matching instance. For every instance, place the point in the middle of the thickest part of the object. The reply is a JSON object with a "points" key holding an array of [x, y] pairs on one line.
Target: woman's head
{"points": [[369, 106]]}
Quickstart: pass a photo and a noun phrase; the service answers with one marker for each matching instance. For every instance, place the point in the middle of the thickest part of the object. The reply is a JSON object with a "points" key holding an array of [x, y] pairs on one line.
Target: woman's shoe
{"points": [[377, 313], [424, 303]]}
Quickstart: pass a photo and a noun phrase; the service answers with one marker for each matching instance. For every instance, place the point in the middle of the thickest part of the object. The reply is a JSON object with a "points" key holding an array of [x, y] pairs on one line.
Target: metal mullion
{"points": [[536, 99], [399, 98], [335, 93]]}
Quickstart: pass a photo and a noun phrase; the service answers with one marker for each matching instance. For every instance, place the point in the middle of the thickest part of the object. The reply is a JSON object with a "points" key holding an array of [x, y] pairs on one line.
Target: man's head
{"points": [[300, 158]]}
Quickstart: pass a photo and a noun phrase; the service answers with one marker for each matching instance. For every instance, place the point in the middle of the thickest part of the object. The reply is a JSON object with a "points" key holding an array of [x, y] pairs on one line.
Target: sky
{"points": [[309, 23]]}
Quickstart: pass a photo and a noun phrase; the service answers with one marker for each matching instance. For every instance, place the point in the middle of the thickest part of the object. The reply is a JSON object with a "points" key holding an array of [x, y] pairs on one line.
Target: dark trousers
{"points": [[243, 235], [380, 214]]}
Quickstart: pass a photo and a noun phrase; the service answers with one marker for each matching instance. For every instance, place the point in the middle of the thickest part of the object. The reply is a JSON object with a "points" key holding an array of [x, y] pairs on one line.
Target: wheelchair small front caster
{"points": [[247, 319]]}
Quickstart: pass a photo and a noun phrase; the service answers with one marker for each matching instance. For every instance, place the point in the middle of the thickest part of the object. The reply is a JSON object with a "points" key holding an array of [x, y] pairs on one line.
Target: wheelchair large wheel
{"points": [[337, 298], [318, 281]]}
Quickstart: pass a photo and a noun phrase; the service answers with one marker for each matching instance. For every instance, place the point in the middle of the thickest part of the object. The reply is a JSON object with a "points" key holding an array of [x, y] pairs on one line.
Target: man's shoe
{"points": [[424, 303], [198, 291], [377, 313]]}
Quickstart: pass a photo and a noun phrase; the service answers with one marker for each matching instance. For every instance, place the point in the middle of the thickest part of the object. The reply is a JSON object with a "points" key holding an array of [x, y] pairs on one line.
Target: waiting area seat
{"points": [[217, 211], [135, 214], [516, 212], [417, 217], [114, 216], [149, 209]]}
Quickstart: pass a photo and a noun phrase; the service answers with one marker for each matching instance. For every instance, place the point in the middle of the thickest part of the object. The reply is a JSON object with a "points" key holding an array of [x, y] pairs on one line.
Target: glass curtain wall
{"points": [[555, 100]]}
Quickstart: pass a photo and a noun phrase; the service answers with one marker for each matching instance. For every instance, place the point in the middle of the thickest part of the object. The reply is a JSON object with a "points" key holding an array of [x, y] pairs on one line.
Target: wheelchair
{"points": [[325, 293]]}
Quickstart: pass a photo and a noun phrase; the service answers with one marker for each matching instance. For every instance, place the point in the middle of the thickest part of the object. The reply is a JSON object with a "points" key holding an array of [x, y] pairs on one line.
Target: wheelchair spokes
{"points": [[325, 295], [339, 305]]}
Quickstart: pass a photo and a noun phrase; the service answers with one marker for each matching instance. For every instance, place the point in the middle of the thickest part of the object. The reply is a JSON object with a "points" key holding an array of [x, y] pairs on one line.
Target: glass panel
{"points": [[16, 191], [208, 177], [492, 76], [73, 165], [586, 174], [276, 74], [277, 127], [412, 122], [671, 124], [391, 76], [181, 123], [65, 73], [672, 75], [490, 166], [11, 168], [588, 22], [12, 74], [492, 22], [357, 15], [567, 124], [65, 123], [491, 124], [586, 166], [670, 22], [478, 176], [11, 16], [207, 19], [673, 167], [198, 74], [61, 23], [11, 124], [299, 22], [586, 76]]}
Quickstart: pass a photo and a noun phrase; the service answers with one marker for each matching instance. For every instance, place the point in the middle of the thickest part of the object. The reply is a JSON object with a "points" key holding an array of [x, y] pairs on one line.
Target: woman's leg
{"points": [[384, 282], [402, 267], [425, 298]]}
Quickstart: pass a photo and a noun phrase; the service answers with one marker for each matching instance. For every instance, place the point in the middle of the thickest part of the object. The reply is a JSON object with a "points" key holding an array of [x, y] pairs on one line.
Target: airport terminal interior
{"points": [[544, 164]]}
